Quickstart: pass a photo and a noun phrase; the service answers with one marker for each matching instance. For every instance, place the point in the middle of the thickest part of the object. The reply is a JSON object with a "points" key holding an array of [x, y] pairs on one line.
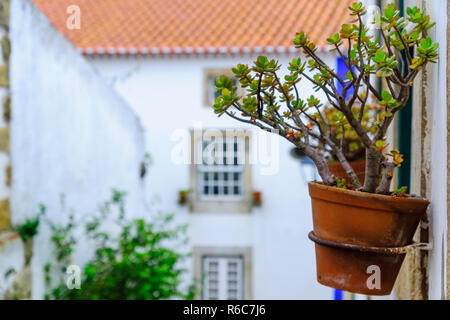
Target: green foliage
{"points": [[357, 8], [250, 104], [385, 63], [380, 145], [30, 227], [335, 39], [388, 100], [134, 263], [400, 192], [427, 50], [397, 157], [64, 242], [183, 196], [396, 53], [341, 183], [419, 18], [262, 84]]}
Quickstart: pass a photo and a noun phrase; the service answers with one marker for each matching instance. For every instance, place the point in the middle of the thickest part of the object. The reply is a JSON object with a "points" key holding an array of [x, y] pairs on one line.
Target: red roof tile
{"points": [[195, 26]]}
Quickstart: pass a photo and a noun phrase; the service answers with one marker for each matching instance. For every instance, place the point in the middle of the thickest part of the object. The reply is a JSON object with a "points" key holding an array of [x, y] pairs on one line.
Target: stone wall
{"points": [[5, 168], [11, 246]]}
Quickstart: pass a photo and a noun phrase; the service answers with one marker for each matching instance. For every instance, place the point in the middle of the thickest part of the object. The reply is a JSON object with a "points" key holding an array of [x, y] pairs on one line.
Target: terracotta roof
{"points": [[195, 26]]}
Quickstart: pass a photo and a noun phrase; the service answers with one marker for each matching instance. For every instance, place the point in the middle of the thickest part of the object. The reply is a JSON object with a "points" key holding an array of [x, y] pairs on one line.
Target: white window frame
{"points": [[209, 86], [221, 203], [223, 275], [221, 168], [241, 255]]}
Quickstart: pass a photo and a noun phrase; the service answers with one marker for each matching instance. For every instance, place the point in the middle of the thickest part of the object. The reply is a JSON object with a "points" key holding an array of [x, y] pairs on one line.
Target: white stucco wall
{"points": [[437, 99], [167, 93], [71, 134]]}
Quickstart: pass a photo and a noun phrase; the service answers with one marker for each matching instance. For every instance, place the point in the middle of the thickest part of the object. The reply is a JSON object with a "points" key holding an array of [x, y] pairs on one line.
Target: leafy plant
{"points": [[183, 196], [400, 192], [341, 183], [276, 106], [340, 130], [30, 227], [257, 198], [135, 263]]}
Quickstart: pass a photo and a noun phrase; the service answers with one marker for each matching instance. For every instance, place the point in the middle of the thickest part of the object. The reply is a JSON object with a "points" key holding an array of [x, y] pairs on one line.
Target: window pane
{"points": [[223, 277], [221, 178]]}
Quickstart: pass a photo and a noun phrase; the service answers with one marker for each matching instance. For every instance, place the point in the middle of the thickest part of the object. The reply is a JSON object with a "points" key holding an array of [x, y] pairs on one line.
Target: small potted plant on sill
{"points": [[183, 196], [364, 224], [257, 198]]}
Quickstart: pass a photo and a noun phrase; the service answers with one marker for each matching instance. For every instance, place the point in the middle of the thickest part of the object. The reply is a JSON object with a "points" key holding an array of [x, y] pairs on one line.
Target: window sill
{"points": [[231, 207]]}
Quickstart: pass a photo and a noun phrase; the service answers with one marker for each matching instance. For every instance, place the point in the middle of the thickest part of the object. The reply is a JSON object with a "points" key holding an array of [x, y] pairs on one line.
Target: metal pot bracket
{"points": [[378, 250]]}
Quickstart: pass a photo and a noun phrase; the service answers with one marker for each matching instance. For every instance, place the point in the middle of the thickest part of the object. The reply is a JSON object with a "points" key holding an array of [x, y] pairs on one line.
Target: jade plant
{"points": [[341, 130], [397, 52]]}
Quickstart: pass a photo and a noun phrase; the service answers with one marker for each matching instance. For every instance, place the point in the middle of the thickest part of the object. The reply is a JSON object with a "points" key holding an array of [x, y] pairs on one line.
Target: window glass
{"points": [[220, 176], [223, 278]]}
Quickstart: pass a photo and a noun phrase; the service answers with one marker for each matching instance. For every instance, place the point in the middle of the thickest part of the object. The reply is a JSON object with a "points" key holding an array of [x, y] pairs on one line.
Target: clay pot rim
{"points": [[367, 195]]}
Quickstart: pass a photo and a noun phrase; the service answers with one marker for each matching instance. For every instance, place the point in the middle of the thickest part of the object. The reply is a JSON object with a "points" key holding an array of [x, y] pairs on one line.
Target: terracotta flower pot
{"points": [[355, 232], [359, 167], [257, 198]]}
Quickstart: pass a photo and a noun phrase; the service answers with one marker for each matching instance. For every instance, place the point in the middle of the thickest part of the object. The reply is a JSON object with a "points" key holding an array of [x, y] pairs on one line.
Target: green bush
{"points": [[134, 263]]}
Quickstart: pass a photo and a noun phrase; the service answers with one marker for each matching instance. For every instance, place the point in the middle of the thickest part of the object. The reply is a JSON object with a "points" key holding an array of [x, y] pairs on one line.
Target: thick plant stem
{"points": [[348, 168], [388, 173], [372, 166], [322, 167]]}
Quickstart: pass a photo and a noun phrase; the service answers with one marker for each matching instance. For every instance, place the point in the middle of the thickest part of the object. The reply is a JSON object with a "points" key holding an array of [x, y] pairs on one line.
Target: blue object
{"points": [[342, 70], [337, 294]]}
